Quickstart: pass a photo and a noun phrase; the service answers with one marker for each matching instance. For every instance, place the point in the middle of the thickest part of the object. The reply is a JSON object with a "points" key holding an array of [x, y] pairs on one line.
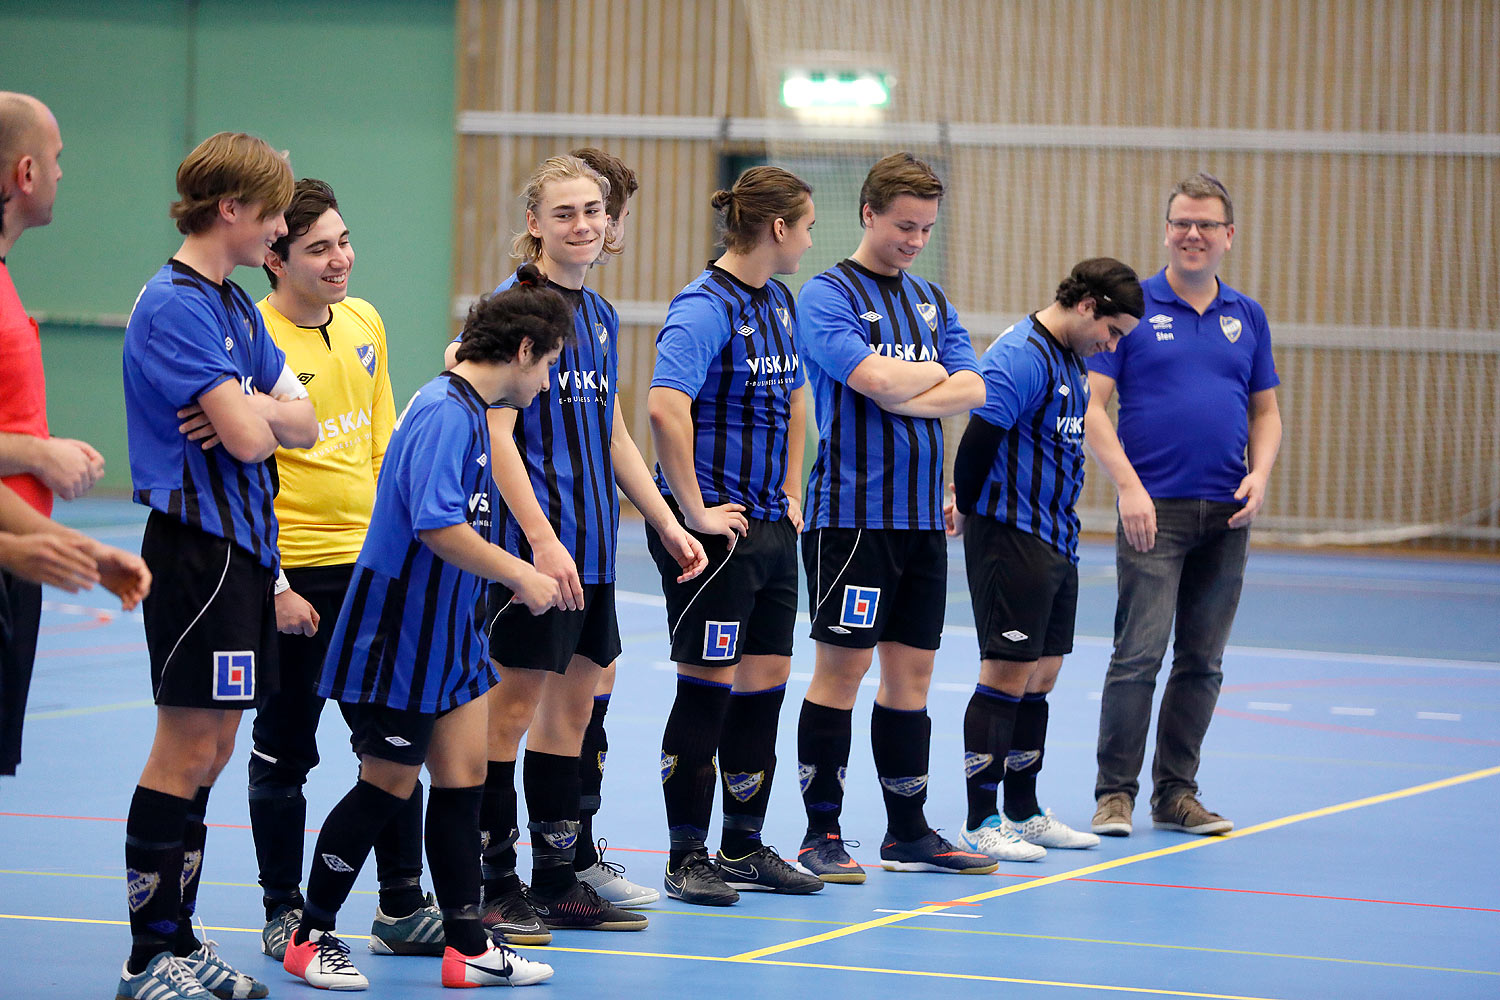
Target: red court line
{"points": [[74, 627], [1333, 727], [947, 902]]}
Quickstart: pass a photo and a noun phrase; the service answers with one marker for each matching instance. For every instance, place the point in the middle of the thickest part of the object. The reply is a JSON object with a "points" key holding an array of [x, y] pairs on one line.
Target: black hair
{"points": [[498, 323], [310, 199], [1113, 286]]}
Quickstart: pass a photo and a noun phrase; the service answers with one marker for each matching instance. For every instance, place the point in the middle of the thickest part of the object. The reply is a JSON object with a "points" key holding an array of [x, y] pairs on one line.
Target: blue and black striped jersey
{"points": [[1036, 391], [187, 335], [564, 438], [733, 350], [875, 469], [407, 636]]}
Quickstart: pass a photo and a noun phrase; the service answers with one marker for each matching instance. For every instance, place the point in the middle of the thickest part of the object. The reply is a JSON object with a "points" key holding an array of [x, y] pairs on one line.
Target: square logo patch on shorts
{"points": [[860, 605], [234, 676], [720, 640]]}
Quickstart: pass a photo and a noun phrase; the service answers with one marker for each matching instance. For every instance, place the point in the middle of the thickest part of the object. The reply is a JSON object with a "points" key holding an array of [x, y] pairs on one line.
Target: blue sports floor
{"points": [[1357, 747]]}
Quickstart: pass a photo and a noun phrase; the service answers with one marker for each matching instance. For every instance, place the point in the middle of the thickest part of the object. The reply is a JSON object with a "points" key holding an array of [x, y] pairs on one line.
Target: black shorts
{"points": [[743, 604], [394, 734], [210, 619], [872, 585], [1025, 592], [20, 618], [523, 641]]}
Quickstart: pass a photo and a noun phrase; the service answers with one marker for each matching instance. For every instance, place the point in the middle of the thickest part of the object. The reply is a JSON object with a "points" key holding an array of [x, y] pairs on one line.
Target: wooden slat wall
{"points": [[1338, 240]]}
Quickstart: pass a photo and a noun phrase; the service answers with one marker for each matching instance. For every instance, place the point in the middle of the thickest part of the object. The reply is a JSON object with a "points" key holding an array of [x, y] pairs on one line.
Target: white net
{"points": [[1360, 140]]}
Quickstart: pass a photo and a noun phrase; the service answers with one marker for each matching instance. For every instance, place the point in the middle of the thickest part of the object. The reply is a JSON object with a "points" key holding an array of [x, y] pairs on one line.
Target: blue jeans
{"points": [[1192, 574]]}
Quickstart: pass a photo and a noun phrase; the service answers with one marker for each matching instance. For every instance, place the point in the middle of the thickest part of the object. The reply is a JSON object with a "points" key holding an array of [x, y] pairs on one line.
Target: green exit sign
{"points": [[817, 89]]}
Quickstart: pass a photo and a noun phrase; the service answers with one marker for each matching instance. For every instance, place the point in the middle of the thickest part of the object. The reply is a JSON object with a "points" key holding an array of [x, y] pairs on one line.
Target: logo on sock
{"points": [[668, 765], [336, 863], [860, 604], [1020, 760], [905, 787], [234, 676], [744, 786], [190, 864], [976, 762], [561, 839], [140, 887], [842, 771], [720, 639], [805, 775], [601, 755]]}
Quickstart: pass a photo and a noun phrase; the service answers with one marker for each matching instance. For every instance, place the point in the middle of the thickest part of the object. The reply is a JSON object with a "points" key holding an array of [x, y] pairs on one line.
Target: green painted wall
{"points": [[360, 93]]}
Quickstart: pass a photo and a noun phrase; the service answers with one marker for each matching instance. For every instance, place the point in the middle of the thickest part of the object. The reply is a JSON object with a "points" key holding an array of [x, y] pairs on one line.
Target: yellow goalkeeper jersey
{"points": [[328, 490]]}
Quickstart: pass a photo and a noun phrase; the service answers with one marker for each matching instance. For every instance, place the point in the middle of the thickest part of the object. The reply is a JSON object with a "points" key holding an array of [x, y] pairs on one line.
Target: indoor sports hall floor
{"points": [[1357, 747]]}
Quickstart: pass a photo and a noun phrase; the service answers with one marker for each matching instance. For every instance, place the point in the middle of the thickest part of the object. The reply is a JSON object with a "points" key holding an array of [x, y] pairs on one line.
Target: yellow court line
{"points": [[1190, 845]]}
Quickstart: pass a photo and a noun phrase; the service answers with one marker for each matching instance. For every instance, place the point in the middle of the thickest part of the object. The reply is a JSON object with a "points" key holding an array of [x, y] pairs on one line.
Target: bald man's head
{"points": [[29, 146]]}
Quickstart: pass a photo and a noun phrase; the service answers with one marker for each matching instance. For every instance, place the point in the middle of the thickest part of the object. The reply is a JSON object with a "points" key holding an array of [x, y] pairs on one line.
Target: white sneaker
{"points": [[166, 977], [498, 966], [323, 960], [1046, 830], [1001, 844], [608, 879]]}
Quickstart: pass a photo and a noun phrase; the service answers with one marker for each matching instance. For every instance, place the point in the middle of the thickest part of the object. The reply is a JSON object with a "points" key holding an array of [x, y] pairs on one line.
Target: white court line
{"points": [[941, 913], [1440, 716], [1274, 652], [1351, 710], [1270, 706]]}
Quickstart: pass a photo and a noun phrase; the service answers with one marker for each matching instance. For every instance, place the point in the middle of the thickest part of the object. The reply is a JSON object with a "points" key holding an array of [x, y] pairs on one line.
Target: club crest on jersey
{"points": [[720, 640], [1020, 760], [784, 316], [601, 333], [140, 887], [366, 355], [1231, 327], [860, 605], [928, 312], [976, 762], [668, 765], [805, 774], [905, 787], [744, 786], [234, 676]]}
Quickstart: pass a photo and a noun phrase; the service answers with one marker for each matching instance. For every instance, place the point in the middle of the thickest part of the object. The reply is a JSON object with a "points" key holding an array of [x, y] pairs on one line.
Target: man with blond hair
{"points": [[209, 398]]}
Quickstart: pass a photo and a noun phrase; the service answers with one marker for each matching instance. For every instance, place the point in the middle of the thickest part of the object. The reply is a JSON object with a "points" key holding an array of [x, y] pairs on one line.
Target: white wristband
{"points": [[282, 583], [289, 385]]}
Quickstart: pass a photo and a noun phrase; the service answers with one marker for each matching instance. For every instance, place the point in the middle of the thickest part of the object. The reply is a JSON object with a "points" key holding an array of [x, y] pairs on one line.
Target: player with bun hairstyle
{"points": [[728, 415], [1016, 481], [408, 658], [557, 463]]}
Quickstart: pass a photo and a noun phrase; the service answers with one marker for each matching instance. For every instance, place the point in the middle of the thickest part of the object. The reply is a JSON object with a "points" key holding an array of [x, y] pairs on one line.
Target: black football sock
{"points": [[153, 872], [343, 845], [398, 859], [551, 783], [988, 723], [497, 829], [194, 835], [747, 765], [591, 778], [452, 853], [1024, 762], [900, 741], [823, 738], [687, 762]]}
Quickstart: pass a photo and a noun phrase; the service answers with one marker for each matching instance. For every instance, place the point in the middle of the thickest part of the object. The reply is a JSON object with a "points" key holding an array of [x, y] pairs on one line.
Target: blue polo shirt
{"points": [[1184, 383]]}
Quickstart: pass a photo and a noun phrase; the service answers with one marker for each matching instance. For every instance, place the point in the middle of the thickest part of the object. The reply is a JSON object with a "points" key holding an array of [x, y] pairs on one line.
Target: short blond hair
{"points": [[230, 165], [555, 168]]}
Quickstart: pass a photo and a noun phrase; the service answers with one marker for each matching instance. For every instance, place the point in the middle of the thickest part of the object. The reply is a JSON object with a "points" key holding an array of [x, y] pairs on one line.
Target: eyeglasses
{"points": [[1205, 226]]}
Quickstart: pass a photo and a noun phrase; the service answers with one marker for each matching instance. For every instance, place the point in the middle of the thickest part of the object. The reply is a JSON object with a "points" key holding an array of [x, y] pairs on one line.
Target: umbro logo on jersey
{"points": [[746, 331], [1161, 321], [1014, 635], [483, 460], [305, 377], [1064, 390], [229, 343], [871, 317], [397, 741], [336, 863]]}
